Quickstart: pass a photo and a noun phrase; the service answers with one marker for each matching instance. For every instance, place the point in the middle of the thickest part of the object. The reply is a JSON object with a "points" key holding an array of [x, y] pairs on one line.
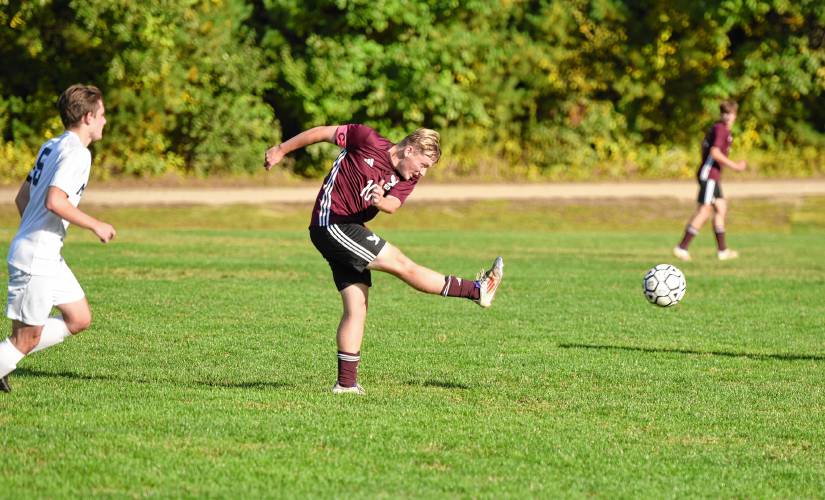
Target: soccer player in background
{"points": [[39, 278], [715, 149], [372, 174]]}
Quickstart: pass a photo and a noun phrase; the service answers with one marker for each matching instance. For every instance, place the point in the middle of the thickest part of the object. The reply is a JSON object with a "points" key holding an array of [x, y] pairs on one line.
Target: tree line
{"points": [[519, 89]]}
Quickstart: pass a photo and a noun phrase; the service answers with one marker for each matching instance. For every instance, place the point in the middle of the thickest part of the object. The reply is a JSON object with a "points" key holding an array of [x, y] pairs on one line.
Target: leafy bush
{"points": [[520, 90]]}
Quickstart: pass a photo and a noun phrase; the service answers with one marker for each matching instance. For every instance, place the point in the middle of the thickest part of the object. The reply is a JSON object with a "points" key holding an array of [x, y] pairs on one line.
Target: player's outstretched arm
{"points": [[58, 202], [317, 134], [720, 157], [22, 198]]}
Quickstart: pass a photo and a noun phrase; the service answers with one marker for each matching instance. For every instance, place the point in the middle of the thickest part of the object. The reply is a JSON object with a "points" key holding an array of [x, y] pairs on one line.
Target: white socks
{"points": [[54, 331], [9, 357]]}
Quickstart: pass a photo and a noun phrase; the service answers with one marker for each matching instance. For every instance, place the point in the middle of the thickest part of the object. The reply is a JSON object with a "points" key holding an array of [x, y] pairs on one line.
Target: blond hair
{"points": [[76, 101], [424, 141]]}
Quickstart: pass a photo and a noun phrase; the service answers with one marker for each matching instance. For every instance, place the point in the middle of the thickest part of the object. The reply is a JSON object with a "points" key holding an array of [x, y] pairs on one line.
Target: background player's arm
{"points": [[317, 134], [720, 158], [57, 201], [22, 198]]}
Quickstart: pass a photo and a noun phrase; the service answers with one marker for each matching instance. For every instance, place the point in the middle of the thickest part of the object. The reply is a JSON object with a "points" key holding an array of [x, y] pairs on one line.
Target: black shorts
{"points": [[709, 191], [348, 248]]}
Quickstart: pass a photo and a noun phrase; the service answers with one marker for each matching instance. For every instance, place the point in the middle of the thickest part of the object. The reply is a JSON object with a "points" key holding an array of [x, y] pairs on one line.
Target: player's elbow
{"points": [[55, 199], [51, 203]]}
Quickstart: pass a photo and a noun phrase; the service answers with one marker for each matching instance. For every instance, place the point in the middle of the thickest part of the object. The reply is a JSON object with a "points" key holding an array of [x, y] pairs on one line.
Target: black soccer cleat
{"points": [[4, 384]]}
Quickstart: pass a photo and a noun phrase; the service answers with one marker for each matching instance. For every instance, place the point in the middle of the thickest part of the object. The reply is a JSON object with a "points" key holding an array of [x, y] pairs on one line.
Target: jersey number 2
{"points": [[38, 167]]}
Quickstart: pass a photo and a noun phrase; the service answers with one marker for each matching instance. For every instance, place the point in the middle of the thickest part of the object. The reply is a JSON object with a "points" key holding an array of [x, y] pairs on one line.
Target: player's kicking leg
{"points": [[482, 290]]}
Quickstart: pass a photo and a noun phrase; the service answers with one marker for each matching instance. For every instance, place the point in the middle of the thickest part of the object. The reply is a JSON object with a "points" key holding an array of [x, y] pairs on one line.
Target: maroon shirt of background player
{"points": [[363, 162], [718, 136]]}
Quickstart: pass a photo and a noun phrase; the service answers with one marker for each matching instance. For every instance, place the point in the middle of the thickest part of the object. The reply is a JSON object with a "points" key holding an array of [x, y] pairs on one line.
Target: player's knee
{"points": [[405, 266], [77, 325]]}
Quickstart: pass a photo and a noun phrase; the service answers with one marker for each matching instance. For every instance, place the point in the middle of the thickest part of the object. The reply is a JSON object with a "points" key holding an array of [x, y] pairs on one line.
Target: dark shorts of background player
{"points": [[705, 187], [348, 251]]}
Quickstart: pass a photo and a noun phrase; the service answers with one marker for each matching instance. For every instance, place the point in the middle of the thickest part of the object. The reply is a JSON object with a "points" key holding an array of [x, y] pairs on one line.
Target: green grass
{"points": [[208, 367]]}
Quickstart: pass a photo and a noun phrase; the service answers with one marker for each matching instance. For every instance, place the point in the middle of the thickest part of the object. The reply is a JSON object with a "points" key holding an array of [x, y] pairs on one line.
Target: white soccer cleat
{"points": [[356, 389], [488, 282], [727, 254], [681, 254]]}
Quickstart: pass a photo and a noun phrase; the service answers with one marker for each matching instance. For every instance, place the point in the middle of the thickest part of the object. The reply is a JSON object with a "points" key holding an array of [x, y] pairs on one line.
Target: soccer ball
{"points": [[664, 285]]}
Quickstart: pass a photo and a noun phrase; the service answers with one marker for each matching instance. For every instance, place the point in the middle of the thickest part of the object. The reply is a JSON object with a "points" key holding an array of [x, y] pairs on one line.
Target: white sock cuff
{"points": [[54, 331], [9, 357]]}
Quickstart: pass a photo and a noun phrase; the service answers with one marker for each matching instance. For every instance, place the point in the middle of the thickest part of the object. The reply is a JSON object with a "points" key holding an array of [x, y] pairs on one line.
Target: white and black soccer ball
{"points": [[664, 285]]}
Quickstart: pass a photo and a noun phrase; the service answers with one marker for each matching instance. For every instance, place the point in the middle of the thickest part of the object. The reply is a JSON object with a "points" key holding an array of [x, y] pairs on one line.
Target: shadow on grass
{"points": [[438, 383], [28, 372], [779, 357]]}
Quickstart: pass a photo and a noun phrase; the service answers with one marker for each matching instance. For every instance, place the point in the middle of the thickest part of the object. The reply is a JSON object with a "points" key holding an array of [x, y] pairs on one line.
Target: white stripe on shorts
{"points": [[710, 187], [705, 170], [349, 243]]}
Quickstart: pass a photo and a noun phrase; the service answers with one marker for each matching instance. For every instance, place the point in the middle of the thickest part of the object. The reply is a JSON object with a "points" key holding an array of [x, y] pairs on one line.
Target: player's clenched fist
{"points": [[106, 232], [377, 192], [273, 156]]}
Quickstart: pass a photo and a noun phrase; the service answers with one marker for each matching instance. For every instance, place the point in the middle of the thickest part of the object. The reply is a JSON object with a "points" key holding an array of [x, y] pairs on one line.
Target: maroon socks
{"points": [[457, 287], [348, 368], [720, 239], [690, 232]]}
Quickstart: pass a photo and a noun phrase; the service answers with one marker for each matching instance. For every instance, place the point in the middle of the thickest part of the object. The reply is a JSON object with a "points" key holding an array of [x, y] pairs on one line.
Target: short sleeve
{"points": [[403, 189], [73, 171], [352, 136], [720, 136]]}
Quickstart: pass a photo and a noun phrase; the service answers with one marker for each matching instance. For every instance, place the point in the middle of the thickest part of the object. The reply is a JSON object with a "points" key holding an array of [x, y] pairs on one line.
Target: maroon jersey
{"points": [[362, 163], [718, 136]]}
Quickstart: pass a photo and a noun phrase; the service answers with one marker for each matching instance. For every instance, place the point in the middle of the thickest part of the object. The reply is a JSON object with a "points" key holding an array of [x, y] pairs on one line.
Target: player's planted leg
{"points": [[350, 334]]}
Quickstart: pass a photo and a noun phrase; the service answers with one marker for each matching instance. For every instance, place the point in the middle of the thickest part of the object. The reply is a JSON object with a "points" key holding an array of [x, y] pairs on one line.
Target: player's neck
{"points": [[393, 151], [83, 134]]}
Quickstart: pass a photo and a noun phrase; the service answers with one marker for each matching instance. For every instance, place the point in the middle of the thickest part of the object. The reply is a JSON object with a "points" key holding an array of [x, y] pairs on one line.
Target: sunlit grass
{"points": [[208, 367]]}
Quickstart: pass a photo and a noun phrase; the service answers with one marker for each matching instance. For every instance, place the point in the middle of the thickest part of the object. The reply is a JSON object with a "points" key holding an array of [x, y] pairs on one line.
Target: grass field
{"points": [[208, 367]]}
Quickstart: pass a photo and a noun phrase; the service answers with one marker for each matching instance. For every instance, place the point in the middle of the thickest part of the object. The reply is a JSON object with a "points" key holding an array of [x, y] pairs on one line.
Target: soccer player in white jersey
{"points": [[39, 278]]}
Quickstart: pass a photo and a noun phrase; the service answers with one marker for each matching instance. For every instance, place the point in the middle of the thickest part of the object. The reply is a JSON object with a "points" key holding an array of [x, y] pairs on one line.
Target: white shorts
{"points": [[31, 297]]}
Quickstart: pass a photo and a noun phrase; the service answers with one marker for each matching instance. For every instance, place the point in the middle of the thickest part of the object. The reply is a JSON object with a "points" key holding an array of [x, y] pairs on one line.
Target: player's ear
{"points": [[408, 151]]}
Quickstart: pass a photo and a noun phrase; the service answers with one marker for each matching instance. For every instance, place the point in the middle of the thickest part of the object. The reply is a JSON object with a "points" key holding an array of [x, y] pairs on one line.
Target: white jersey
{"points": [[63, 162]]}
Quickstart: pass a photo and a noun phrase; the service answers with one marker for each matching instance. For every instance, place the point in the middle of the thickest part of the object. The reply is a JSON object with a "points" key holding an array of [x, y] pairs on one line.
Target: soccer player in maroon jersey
{"points": [[715, 149], [372, 174]]}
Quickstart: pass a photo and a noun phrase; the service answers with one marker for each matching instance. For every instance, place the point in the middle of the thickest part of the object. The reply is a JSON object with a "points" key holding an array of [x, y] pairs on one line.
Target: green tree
{"points": [[183, 80]]}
